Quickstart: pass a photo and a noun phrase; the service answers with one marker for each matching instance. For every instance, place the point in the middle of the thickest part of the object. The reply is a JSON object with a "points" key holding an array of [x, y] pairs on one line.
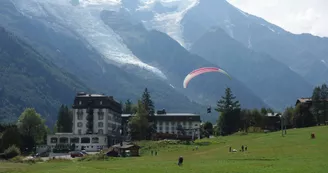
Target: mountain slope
{"points": [[275, 83], [70, 51], [301, 52], [166, 54], [27, 79]]}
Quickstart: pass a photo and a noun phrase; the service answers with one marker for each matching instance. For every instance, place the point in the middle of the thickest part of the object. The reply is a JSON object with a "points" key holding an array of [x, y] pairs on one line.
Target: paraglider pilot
{"points": [[180, 161]]}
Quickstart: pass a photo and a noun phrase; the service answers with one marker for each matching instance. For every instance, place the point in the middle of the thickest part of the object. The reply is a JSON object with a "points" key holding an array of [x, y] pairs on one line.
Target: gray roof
{"points": [[167, 114], [125, 145]]}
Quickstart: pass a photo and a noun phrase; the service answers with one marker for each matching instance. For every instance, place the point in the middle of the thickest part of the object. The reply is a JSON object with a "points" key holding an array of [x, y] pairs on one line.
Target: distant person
{"points": [[155, 153], [151, 152], [242, 148], [180, 161], [245, 148], [196, 147], [230, 149]]}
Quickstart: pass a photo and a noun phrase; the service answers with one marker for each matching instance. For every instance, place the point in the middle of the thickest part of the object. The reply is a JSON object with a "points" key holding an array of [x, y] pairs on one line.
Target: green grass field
{"points": [[267, 153]]}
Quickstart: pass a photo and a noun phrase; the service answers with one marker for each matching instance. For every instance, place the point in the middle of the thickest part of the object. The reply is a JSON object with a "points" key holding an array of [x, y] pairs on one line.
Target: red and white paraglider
{"points": [[200, 71]]}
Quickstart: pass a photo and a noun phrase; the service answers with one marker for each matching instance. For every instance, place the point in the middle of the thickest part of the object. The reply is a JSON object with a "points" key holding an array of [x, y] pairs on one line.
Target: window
{"points": [[100, 102], [80, 102], [100, 117], [75, 140], [79, 124], [85, 140], [79, 131], [167, 129], [80, 116], [53, 140], [167, 123], [190, 123], [95, 140], [109, 125], [100, 131], [100, 124]]}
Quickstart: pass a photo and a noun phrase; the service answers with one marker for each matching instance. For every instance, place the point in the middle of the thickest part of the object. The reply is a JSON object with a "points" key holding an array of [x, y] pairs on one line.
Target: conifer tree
{"points": [[229, 108]]}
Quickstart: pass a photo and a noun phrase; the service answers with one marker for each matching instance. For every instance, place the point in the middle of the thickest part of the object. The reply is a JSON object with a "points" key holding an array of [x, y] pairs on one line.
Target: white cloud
{"points": [[296, 16]]}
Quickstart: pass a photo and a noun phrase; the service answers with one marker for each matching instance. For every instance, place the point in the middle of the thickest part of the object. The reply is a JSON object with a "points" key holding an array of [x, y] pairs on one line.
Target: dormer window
{"points": [[100, 102], [80, 102]]}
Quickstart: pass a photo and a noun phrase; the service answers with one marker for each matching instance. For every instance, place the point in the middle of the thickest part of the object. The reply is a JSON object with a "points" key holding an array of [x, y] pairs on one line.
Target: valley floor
{"points": [[267, 153]]}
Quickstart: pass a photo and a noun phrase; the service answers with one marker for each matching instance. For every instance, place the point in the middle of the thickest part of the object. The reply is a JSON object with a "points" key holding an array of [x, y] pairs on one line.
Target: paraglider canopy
{"points": [[200, 71]]}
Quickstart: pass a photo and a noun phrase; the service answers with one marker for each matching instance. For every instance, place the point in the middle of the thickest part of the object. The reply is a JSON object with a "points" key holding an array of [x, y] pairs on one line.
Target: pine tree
{"points": [[139, 123], [230, 113], [227, 102], [60, 118], [148, 103], [324, 98], [65, 119], [316, 103], [128, 107]]}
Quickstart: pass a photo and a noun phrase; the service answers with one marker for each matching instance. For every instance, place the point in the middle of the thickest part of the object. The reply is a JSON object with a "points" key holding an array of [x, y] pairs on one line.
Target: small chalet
{"points": [[126, 149]]}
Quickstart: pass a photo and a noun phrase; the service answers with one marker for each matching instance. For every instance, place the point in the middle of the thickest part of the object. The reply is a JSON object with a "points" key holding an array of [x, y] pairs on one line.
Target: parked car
{"points": [[84, 152], [77, 154]]}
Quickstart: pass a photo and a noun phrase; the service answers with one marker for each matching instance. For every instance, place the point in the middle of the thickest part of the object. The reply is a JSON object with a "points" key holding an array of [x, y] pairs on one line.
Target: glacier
{"points": [[85, 20], [170, 22]]}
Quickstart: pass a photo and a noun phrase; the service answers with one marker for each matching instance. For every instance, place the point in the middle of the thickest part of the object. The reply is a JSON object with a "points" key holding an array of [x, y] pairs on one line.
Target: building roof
{"points": [[273, 114], [125, 145], [167, 114], [306, 100], [170, 117], [84, 100], [303, 100]]}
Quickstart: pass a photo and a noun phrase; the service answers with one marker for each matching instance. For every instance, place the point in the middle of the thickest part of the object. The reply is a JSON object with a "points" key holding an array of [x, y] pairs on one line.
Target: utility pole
{"points": [[282, 126]]}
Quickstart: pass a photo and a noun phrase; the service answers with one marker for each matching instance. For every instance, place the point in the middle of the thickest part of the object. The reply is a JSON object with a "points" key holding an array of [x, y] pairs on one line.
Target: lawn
{"points": [[267, 153]]}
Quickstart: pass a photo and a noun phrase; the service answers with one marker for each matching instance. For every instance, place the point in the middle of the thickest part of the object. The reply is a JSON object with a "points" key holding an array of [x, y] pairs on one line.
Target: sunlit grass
{"points": [[267, 153]]}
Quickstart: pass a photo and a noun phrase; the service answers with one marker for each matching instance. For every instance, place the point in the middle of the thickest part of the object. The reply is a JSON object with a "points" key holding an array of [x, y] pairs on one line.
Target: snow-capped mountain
{"points": [[77, 33], [84, 19]]}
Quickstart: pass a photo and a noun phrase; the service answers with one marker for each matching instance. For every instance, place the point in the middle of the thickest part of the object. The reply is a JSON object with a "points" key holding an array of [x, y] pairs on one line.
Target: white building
{"points": [[174, 123], [96, 123]]}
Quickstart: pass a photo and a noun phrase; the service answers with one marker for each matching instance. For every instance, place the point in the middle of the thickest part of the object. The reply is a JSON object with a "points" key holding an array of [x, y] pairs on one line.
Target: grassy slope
{"points": [[268, 153]]}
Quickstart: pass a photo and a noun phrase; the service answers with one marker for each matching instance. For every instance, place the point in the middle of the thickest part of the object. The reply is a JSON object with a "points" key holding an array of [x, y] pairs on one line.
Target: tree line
{"points": [[141, 125], [309, 114], [232, 118], [29, 131]]}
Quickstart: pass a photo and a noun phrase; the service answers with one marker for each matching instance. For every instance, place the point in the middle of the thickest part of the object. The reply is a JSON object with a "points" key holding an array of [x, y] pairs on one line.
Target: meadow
{"points": [[267, 153]]}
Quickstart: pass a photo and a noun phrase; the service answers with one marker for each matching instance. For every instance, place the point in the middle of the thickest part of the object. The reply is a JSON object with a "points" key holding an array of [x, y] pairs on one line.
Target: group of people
{"points": [[153, 153], [243, 148]]}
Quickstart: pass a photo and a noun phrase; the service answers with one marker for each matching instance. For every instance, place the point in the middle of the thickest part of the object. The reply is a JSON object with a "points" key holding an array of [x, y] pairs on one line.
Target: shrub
{"points": [[12, 152], [94, 157], [59, 160]]}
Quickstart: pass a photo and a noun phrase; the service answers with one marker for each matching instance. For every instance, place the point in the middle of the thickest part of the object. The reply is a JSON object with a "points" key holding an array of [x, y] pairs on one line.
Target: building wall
{"points": [[168, 123], [92, 144], [108, 122], [171, 126]]}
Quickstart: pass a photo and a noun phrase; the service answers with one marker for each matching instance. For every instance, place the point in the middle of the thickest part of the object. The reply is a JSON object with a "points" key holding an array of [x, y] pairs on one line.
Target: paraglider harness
{"points": [[180, 161]]}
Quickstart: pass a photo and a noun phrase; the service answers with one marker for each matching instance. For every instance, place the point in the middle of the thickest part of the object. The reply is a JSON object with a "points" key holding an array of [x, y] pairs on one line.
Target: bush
{"points": [[12, 152], [20, 159], [94, 157], [59, 160]]}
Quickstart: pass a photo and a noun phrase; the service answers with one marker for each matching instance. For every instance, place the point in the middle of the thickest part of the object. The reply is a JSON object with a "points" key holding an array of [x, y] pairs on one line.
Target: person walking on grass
{"points": [[180, 161]]}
